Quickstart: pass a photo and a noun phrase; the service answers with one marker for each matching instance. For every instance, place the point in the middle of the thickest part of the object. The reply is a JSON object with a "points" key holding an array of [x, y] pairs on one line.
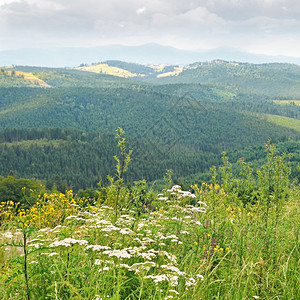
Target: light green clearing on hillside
{"points": [[284, 121], [32, 78], [109, 70], [287, 102]]}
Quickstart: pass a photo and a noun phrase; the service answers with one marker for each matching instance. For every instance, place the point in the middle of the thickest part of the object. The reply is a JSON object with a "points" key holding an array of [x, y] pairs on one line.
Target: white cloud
{"points": [[141, 10], [191, 23]]}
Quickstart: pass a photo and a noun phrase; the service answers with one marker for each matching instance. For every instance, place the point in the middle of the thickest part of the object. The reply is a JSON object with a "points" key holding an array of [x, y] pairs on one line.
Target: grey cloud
{"points": [[216, 22]]}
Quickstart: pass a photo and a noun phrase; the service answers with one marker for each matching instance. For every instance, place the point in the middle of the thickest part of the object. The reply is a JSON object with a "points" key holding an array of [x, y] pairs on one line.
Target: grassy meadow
{"points": [[288, 102], [109, 70], [231, 238], [284, 121]]}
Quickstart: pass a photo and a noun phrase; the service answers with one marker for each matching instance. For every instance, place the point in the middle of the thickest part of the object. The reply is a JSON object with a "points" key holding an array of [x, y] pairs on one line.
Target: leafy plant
{"points": [[122, 165]]}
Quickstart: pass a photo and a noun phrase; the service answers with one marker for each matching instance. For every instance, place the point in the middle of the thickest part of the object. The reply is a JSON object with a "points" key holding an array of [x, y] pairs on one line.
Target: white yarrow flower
{"points": [[200, 276], [118, 253], [68, 242], [97, 247]]}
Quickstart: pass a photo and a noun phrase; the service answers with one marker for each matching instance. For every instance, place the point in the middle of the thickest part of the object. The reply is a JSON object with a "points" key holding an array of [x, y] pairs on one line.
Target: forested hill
{"points": [[183, 124], [210, 126], [273, 79], [268, 79], [75, 159], [81, 160]]}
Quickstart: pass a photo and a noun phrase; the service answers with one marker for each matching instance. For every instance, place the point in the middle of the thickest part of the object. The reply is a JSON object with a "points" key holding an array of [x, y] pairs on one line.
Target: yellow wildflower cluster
{"points": [[234, 211], [218, 249], [8, 210], [208, 187], [49, 210]]}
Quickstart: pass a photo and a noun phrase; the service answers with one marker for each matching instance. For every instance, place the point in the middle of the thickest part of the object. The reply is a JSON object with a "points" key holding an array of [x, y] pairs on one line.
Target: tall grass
{"points": [[233, 239]]}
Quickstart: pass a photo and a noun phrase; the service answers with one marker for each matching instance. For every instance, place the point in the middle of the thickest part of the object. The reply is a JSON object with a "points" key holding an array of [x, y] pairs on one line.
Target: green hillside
{"points": [[269, 79], [82, 159], [182, 125], [284, 121], [9, 78], [211, 126], [175, 218]]}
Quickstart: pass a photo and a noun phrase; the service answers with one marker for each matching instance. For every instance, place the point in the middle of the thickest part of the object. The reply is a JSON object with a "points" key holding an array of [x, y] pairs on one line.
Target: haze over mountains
{"points": [[145, 54]]}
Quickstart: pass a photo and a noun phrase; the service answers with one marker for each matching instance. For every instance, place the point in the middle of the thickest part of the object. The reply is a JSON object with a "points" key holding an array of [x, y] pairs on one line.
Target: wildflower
{"points": [[145, 266], [190, 282], [200, 276], [125, 231], [173, 291], [8, 235], [98, 262], [68, 242], [147, 255], [118, 253], [97, 247], [36, 246], [110, 228], [53, 254], [163, 198], [198, 209], [173, 269], [158, 278], [184, 232], [170, 256]]}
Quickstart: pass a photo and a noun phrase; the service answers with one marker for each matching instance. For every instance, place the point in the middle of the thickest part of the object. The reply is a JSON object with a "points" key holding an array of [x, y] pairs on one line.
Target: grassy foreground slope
{"points": [[238, 240]]}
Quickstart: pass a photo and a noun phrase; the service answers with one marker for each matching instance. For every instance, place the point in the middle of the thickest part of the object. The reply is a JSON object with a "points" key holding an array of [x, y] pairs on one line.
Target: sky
{"points": [[257, 26]]}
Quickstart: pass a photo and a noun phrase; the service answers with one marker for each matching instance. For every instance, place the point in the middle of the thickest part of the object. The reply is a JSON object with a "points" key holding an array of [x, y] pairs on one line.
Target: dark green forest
{"points": [[64, 134]]}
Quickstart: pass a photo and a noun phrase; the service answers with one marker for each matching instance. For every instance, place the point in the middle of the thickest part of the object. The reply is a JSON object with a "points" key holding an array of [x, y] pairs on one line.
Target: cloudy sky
{"points": [[259, 26]]}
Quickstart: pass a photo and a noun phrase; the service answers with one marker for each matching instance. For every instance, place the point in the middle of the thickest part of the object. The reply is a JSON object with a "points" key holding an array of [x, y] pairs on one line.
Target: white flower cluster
{"points": [[176, 190], [190, 282], [68, 242], [118, 253], [8, 235], [147, 255], [172, 279], [172, 269], [75, 218], [142, 267], [97, 247]]}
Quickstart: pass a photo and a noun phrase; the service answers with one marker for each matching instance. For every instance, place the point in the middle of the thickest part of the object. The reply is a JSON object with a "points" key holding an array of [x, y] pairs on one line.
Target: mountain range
{"points": [[144, 54]]}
